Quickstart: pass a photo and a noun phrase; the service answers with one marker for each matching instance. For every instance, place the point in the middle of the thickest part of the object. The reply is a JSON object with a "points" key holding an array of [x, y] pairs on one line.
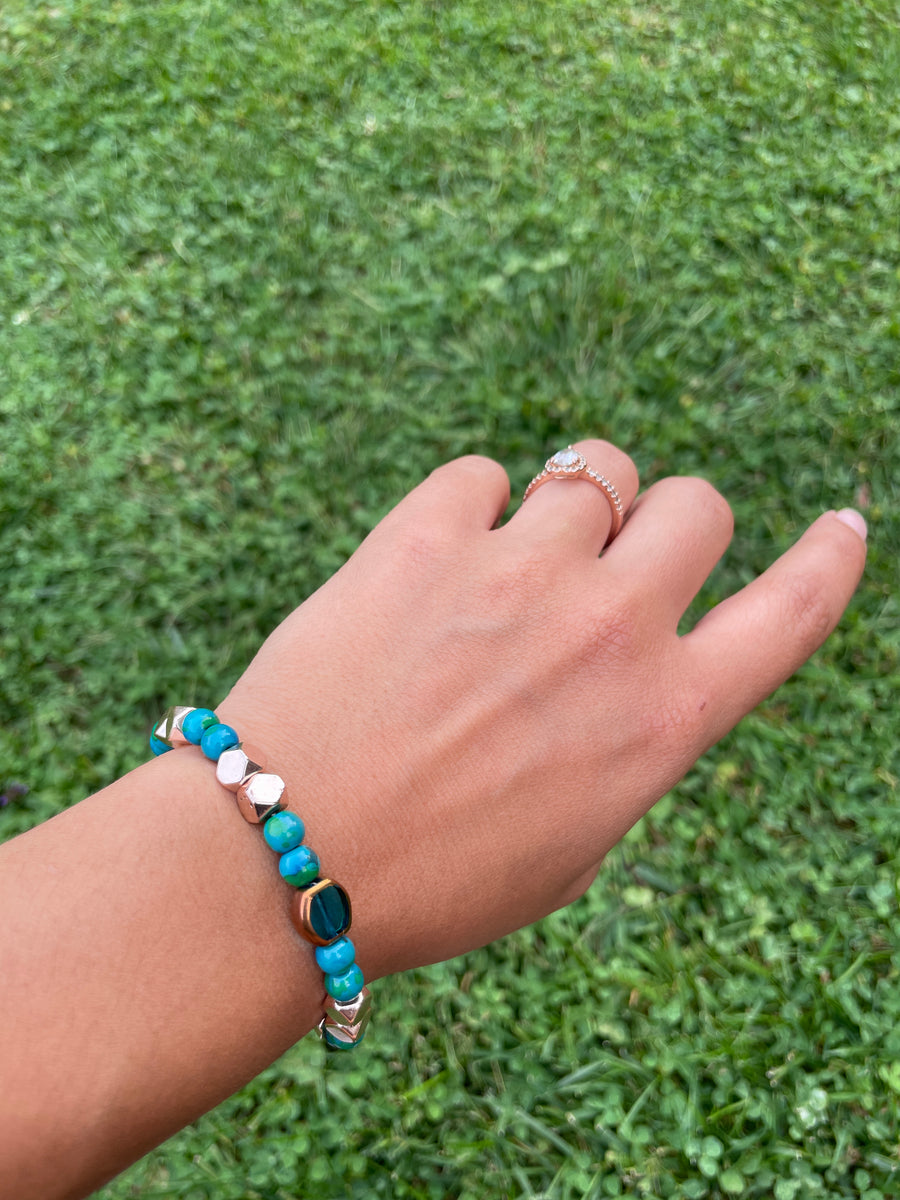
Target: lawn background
{"points": [[262, 266]]}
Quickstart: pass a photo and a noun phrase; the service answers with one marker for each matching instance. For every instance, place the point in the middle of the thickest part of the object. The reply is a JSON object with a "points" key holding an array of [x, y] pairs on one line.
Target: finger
{"points": [[751, 643], [676, 533], [576, 513], [464, 494]]}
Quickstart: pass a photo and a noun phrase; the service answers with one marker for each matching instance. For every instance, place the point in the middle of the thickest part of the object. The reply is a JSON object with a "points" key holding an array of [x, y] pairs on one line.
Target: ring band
{"points": [[569, 464]]}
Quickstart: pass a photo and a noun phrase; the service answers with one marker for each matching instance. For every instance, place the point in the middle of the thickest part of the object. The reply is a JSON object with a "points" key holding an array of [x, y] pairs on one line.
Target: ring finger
{"points": [[578, 501]]}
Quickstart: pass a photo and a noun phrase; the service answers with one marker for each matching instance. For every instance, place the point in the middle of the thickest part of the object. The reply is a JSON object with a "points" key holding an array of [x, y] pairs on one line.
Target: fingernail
{"points": [[855, 520]]}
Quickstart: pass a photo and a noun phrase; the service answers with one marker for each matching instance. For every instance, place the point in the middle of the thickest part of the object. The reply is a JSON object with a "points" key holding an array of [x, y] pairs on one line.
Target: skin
{"points": [[467, 717]]}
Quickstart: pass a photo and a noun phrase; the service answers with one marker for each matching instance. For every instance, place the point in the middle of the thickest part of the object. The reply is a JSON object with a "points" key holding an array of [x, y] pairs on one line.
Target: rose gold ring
{"points": [[569, 464]]}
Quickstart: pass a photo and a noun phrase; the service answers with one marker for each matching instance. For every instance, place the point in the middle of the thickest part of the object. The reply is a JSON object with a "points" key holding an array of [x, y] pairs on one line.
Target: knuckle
{"points": [[804, 607], [474, 468], [516, 585], [608, 637], [713, 504]]}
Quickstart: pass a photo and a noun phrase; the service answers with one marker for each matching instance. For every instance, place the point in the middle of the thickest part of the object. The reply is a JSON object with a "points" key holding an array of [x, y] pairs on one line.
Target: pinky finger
{"points": [[753, 641]]}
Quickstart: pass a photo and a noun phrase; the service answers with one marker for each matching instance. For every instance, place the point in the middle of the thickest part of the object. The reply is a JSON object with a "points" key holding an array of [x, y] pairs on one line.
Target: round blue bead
{"points": [[299, 866], [157, 746], [346, 985], [337, 957], [196, 722], [217, 738], [284, 831]]}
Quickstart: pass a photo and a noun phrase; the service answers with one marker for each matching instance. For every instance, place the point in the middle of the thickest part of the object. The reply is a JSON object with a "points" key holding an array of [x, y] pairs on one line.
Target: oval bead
{"points": [[217, 738], [336, 958], [346, 985], [157, 746], [196, 722], [299, 866], [284, 831]]}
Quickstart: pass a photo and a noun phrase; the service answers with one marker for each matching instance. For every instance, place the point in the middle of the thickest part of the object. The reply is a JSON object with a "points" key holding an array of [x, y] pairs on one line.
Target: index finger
{"points": [[748, 645]]}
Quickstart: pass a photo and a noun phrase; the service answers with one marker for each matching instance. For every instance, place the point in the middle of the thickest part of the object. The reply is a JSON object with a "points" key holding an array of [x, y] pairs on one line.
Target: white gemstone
{"points": [[566, 458]]}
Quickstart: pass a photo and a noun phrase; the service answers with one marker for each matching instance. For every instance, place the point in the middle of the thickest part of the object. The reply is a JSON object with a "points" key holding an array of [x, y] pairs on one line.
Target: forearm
{"points": [[150, 969]]}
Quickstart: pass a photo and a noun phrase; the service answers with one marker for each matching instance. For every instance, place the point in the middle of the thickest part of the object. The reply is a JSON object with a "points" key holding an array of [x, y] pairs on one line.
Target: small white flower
{"points": [[370, 125]]}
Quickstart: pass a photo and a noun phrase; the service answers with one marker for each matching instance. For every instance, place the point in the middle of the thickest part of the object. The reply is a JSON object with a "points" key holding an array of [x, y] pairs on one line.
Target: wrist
{"points": [[320, 908], [176, 976]]}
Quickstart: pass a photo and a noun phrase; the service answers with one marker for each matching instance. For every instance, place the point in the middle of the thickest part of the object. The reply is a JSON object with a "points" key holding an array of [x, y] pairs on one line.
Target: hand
{"points": [[469, 717]]}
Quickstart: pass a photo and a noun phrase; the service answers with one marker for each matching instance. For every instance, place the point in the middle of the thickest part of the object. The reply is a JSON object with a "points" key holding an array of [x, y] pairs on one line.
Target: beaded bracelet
{"points": [[320, 909]]}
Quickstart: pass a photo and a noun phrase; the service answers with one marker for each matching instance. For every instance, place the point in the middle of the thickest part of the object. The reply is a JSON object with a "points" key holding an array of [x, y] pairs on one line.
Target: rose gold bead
{"points": [[237, 765], [346, 1021], [260, 796]]}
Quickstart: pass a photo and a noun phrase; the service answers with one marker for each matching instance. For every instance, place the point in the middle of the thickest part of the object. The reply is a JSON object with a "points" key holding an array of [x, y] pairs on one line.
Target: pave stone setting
{"points": [[570, 464]]}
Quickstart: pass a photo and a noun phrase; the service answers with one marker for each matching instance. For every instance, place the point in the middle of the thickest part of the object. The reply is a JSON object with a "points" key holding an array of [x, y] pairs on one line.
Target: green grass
{"points": [[247, 247]]}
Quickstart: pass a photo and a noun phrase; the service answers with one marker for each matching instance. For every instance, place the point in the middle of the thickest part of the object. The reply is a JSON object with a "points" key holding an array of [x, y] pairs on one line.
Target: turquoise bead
{"points": [[299, 866], [329, 913], [337, 957], [157, 746], [346, 985], [196, 722], [217, 738], [284, 831]]}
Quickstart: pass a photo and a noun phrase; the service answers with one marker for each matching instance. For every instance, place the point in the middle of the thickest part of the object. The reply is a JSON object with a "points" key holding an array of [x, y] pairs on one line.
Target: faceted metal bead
{"points": [[345, 1021], [260, 796], [168, 727], [237, 765]]}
